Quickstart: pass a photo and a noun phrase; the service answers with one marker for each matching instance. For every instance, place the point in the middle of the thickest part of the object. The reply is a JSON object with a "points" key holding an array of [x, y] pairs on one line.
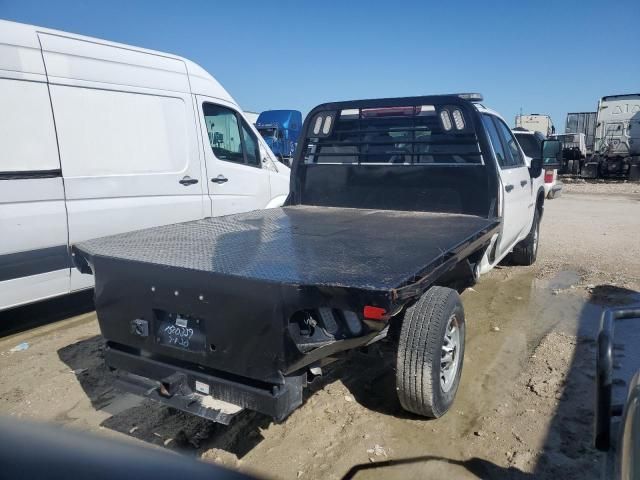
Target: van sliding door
{"points": [[128, 145], [34, 258]]}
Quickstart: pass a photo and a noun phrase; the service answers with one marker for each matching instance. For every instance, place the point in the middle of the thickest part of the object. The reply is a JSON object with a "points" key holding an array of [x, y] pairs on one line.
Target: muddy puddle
{"points": [[508, 314]]}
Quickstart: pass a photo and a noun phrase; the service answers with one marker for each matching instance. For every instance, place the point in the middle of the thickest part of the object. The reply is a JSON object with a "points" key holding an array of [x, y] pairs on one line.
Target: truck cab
{"points": [[617, 138], [280, 129]]}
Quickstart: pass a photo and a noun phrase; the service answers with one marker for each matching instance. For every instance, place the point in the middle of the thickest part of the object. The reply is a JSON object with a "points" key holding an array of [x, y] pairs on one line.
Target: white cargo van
{"points": [[99, 138]]}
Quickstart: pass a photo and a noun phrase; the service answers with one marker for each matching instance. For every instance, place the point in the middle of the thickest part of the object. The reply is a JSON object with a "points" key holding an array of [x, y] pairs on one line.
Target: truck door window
{"points": [[224, 133], [496, 143], [251, 148], [512, 150]]}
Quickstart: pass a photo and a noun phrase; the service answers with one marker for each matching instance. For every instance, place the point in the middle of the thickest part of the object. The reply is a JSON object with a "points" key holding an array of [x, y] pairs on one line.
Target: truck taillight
{"points": [[548, 176], [374, 313]]}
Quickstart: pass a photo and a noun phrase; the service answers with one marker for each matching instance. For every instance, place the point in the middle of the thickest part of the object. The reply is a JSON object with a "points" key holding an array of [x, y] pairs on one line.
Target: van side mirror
{"points": [[551, 154]]}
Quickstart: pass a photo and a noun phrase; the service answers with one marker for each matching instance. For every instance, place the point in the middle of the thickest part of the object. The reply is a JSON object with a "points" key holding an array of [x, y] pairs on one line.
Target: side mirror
{"points": [[551, 154], [535, 170]]}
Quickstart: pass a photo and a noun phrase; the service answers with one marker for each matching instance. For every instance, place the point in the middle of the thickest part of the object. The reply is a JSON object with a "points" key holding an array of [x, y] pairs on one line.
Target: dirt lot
{"points": [[524, 408]]}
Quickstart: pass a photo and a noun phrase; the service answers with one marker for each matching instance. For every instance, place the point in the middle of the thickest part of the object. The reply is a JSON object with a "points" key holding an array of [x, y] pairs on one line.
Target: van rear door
{"points": [[127, 136], [34, 258]]}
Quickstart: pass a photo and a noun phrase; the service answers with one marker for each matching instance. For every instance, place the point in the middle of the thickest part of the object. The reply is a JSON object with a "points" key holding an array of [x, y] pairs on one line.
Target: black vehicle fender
{"points": [[540, 202]]}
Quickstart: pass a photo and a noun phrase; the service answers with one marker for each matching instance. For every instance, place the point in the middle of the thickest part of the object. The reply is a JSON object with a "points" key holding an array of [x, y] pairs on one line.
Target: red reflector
{"points": [[374, 313], [548, 176]]}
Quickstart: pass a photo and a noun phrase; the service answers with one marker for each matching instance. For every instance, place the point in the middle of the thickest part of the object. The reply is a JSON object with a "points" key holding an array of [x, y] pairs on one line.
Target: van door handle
{"points": [[523, 182], [508, 188], [187, 180], [220, 179]]}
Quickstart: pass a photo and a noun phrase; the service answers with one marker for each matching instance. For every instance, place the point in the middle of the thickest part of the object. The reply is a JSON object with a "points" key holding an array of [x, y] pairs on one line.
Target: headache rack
{"points": [[440, 133]]}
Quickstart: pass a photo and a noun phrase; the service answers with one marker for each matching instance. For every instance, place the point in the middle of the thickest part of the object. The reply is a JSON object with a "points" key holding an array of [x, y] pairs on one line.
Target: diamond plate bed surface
{"points": [[301, 245]]}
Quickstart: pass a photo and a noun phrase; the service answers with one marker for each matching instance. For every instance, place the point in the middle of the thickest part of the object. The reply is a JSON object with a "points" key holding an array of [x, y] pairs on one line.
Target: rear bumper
{"points": [[175, 386]]}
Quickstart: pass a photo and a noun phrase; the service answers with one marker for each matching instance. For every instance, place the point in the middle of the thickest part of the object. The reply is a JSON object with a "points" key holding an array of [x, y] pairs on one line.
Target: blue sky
{"points": [[541, 56]]}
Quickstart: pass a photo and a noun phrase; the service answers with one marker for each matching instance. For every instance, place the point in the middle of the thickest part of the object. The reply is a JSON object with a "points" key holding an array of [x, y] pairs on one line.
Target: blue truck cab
{"points": [[280, 129]]}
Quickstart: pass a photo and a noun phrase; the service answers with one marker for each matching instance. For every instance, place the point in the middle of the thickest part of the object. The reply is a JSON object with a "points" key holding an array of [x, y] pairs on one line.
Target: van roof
{"points": [[26, 36]]}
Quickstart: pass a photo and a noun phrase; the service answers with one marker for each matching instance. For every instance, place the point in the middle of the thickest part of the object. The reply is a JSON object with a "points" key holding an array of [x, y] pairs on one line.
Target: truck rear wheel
{"points": [[576, 166], [570, 167], [431, 353], [526, 252]]}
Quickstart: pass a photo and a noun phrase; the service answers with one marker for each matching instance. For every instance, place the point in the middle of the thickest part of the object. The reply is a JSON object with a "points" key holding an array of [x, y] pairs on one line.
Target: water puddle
{"points": [[508, 313]]}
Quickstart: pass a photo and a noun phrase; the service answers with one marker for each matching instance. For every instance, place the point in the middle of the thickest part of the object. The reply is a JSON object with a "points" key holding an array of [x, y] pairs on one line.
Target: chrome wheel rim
{"points": [[535, 238], [450, 354]]}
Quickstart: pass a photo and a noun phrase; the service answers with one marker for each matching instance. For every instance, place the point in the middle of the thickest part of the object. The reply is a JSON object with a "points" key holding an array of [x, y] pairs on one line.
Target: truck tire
{"points": [[576, 166], [590, 170], [526, 252], [431, 353]]}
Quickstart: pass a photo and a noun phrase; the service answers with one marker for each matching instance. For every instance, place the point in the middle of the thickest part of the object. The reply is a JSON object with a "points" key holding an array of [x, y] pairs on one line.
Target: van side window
{"points": [[119, 133], [496, 143], [224, 133], [514, 157], [251, 146]]}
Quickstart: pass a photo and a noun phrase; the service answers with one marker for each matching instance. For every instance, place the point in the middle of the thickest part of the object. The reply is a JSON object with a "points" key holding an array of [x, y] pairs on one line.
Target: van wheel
{"points": [[430, 353], [526, 252]]}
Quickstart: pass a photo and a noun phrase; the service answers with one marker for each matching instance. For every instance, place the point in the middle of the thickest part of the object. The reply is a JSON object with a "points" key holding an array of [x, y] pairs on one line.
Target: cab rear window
{"points": [[424, 134]]}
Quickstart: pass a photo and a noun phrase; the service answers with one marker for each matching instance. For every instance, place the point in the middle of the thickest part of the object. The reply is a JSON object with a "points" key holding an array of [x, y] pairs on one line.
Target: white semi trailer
{"points": [[536, 122]]}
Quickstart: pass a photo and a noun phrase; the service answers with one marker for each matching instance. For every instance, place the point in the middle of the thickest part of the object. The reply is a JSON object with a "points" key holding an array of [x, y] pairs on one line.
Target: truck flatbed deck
{"points": [[238, 281], [305, 245]]}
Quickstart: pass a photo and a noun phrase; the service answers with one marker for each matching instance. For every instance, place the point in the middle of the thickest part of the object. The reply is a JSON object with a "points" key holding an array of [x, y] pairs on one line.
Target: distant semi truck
{"points": [[616, 147], [585, 123], [574, 152], [536, 122], [280, 129], [577, 141]]}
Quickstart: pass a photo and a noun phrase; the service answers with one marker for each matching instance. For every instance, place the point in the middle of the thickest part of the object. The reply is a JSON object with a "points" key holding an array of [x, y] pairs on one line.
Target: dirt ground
{"points": [[524, 408]]}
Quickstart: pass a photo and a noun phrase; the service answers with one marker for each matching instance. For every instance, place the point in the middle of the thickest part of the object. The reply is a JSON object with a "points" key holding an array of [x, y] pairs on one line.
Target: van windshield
{"points": [[393, 135]]}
